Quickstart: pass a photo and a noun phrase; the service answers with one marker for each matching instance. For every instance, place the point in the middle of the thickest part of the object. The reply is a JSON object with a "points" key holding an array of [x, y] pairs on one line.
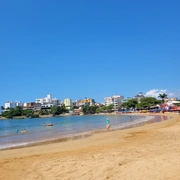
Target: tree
{"points": [[89, 109], [56, 110], [147, 102], [44, 112], [131, 103], [162, 96]]}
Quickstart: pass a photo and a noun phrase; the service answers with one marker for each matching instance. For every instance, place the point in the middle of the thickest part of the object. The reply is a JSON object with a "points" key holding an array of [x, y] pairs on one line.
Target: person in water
{"points": [[24, 131], [50, 124], [108, 124]]}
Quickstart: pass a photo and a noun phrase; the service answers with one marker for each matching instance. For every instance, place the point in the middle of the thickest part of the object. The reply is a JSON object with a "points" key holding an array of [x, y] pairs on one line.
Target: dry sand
{"points": [[147, 152]]}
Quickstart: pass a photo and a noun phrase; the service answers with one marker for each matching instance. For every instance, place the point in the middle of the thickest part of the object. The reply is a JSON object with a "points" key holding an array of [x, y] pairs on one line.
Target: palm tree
{"points": [[162, 96]]}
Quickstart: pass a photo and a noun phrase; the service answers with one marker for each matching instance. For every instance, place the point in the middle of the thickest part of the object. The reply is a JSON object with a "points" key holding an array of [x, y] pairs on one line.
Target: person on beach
{"points": [[108, 124]]}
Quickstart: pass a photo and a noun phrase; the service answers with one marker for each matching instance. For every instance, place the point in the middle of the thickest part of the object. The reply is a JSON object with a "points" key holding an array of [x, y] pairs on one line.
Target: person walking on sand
{"points": [[108, 124]]}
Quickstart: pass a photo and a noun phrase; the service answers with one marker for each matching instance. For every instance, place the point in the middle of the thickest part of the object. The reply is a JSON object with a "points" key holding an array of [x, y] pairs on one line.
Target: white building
{"points": [[18, 103], [172, 103], [68, 103], [48, 101], [11, 104], [78, 103], [115, 100]]}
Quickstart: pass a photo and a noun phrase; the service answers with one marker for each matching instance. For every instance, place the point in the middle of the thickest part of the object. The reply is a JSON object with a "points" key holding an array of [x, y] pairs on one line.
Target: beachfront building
{"points": [[139, 96], [99, 104], [68, 103], [18, 103], [48, 101], [171, 101], [11, 104], [32, 105], [77, 103], [115, 100], [88, 102]]}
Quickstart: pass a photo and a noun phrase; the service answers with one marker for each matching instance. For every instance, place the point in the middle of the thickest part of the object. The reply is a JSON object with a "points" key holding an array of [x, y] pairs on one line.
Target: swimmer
{"points": [[131, 119], [51, 124], [107, 124], [17, 131], [24, 131]]}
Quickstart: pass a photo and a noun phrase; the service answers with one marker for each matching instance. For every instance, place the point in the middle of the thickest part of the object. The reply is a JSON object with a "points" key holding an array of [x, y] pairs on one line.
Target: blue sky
{"points": [[88, 48]]}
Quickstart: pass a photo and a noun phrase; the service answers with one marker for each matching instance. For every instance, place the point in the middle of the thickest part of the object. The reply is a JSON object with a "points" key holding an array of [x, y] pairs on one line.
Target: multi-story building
{"points": [[48, 101], [11, 104], [32, 105], [170, 99], [115, 100], [68, 103], [88, 102], [139, 96], [18, 103], [77, 103]]}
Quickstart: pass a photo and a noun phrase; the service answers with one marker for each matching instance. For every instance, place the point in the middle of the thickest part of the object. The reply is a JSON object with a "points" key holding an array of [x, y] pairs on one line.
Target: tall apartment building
{"points": [[68, 103], [88, 102], [48, 101], [115, 100], [11, 104]]}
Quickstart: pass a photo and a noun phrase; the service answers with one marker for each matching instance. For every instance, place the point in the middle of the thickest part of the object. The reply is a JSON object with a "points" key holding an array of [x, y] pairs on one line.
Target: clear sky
{"points": [[88, 48]]}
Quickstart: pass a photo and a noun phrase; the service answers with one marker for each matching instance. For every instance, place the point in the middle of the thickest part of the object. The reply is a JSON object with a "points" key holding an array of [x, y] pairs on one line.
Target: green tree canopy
{"points": [[57, 110], [131, 103], [89, 109], [147, 102]]}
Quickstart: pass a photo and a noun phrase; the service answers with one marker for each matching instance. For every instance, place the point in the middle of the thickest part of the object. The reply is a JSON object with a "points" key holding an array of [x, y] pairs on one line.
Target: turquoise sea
{"points": [[64, 127]]}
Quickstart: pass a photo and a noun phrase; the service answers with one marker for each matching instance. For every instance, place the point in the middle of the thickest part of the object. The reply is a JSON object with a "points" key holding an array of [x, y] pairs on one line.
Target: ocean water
{"points": [[64, 127]]}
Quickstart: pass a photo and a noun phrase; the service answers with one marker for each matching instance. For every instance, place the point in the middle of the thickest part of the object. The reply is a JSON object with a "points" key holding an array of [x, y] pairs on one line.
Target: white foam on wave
{"points": [[134, 122]]}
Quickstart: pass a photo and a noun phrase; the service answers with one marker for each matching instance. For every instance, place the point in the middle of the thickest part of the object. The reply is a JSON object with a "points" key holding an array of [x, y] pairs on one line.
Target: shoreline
{"points": [[63, 115], [145, 152], [145, 119]]}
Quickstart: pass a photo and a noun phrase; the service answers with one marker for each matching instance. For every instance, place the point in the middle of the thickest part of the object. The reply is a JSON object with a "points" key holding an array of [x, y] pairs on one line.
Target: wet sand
{"points": [[145, 152]]}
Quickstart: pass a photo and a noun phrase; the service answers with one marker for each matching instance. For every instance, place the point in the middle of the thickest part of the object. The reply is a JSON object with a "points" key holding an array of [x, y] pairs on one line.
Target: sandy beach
{"points": [[149, 152]]}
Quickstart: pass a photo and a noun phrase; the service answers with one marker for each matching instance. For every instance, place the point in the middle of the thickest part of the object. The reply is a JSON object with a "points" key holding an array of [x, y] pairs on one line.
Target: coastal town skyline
{"points": [[152, 93], [88, 49]]}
